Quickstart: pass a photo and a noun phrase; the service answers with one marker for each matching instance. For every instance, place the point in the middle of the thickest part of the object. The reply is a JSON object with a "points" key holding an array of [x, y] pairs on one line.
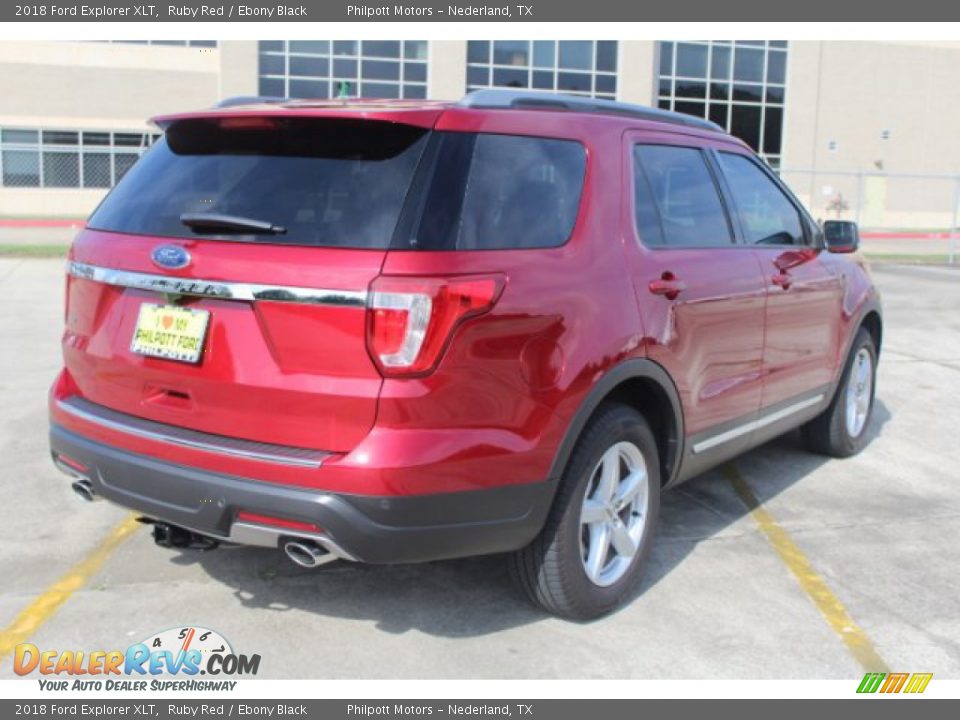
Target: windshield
{"points": [[328, 183]]}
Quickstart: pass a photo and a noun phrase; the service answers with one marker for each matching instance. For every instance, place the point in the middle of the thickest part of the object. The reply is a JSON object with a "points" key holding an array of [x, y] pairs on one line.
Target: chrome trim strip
{"points": [[253, 535], [220, 449], [244, 533], [217, 288], [740, 430], [68, 470]]}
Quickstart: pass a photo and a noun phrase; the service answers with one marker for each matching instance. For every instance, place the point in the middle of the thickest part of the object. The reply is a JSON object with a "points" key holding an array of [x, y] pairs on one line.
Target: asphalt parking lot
{"points": [[879, 533]]}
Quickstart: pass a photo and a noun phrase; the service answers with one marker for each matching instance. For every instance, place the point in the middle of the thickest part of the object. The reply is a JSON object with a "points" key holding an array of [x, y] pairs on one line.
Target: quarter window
{"points": [[495, 192], [676, 198], [767, 215]]}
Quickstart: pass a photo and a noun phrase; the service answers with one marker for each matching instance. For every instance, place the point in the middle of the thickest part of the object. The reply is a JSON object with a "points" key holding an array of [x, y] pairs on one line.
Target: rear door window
{"points": [[676, 201], [326, 183], [492, 192]]}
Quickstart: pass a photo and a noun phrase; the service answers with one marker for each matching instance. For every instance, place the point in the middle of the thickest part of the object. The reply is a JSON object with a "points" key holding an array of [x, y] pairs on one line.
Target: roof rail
{"points": [[248, 100], [532, 100]]}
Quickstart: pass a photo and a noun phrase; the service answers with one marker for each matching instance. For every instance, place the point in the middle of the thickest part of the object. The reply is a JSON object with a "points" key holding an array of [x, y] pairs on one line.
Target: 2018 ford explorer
{"points": [[390, 332]]}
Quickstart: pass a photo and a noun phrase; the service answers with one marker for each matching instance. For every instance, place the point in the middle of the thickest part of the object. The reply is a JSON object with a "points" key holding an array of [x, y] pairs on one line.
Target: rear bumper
{"points": [[366, 528]]}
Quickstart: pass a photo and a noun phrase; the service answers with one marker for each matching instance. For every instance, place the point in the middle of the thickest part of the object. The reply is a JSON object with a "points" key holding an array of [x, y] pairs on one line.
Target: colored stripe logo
{"points": [[894, 683]]}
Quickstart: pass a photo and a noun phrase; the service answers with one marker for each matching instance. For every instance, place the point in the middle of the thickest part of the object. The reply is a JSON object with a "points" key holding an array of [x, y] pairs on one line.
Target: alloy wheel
{"points": [[859, 392], [613, 514]]}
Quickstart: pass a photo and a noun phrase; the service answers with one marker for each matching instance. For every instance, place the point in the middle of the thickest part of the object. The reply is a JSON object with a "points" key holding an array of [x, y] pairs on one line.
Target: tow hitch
{"points": [[173, 536]]}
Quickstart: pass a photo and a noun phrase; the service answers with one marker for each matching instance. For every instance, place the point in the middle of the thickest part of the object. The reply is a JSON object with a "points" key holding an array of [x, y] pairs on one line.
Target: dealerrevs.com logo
{"points": [[153, 664]]}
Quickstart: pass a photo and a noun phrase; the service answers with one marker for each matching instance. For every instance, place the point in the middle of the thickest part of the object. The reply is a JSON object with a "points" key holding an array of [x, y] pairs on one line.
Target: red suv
{"points": [[395, 332]]}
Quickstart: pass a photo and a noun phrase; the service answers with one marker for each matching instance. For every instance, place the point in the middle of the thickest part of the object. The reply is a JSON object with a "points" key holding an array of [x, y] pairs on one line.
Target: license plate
{"points": [[171, 332]]}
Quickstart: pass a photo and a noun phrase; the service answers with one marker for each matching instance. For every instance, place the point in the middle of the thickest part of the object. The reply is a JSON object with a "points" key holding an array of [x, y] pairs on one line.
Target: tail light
{"points": [[411, 320]]}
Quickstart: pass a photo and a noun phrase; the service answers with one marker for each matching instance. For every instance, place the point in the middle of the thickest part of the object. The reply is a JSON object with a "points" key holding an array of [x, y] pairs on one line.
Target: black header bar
{"points": [[217, 707], [494, 11]]}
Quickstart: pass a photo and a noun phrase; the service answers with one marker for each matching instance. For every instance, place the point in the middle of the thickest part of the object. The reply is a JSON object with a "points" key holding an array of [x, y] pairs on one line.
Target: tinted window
{"points": [[645, 207], [339, 183], [332, 183], [675, 187], [492, 192], [768, 217]]}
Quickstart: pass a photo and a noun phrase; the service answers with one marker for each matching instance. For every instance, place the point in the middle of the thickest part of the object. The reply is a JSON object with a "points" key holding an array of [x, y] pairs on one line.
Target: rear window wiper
{"points": [[217, 223]]}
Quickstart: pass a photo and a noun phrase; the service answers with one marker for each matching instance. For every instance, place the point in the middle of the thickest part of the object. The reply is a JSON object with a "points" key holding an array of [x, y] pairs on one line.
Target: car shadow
{"points": [[708, 504], [475, 596]]}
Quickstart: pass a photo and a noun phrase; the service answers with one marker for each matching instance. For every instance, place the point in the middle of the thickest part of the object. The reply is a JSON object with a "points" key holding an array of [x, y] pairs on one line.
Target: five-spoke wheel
{"points": [[591, 551], [841, 429], [859, 392], [613, 514]]}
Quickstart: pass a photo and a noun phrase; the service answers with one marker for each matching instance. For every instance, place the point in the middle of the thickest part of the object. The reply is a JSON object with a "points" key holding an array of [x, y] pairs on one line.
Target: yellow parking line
{"points": [[810, 580], [43, 608]]}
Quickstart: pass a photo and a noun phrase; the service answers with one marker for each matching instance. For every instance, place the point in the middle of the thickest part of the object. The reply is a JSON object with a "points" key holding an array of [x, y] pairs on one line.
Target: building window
{"points": [[169, 43], [739, 85], [579, 67], [68, 158], [320, 69]]}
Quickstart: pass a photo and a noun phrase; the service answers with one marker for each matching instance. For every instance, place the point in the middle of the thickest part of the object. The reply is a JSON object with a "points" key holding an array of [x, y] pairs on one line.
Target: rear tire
{"points": [[592, 549], [841, 430]]}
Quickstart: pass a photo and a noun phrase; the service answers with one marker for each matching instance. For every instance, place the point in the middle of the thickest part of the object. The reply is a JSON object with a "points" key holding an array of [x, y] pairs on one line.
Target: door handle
{"points": [[667, 285], [782, 279]]}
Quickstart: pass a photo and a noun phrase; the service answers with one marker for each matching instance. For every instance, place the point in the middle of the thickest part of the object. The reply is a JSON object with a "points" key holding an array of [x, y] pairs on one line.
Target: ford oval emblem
{"points": [[172, 257]]}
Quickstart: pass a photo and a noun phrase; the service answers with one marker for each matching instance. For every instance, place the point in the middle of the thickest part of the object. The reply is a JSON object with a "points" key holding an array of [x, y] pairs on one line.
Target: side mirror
{"points": [[841, 236]]}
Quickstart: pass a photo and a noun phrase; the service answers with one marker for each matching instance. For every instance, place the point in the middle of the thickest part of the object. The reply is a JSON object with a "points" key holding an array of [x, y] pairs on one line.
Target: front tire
{"points": [[841, 430], [590, 554]]}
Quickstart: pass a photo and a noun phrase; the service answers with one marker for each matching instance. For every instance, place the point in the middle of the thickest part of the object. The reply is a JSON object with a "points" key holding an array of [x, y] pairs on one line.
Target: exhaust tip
{"points": [[84, 490], [306, 554]]}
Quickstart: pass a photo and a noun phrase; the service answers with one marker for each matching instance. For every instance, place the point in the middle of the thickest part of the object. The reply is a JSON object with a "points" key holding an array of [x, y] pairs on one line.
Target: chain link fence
{"points": [[898, 213], [33, 158]]}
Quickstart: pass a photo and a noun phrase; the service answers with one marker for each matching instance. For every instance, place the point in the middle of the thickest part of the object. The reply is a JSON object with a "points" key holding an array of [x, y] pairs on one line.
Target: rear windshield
{"points": [[333, 183], [350, 184]]}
